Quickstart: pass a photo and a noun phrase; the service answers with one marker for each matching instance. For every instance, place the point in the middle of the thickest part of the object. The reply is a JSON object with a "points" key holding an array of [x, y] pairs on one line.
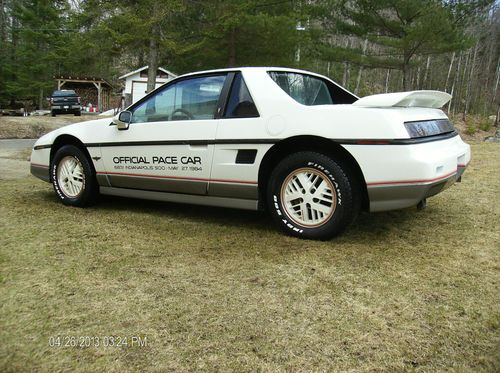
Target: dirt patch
{"points": [[14, 163], [36, 126]]}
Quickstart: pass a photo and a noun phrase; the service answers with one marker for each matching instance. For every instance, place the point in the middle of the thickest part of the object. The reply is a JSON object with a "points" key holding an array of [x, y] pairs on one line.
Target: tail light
{"points": [[78, 98], [429, 128]]}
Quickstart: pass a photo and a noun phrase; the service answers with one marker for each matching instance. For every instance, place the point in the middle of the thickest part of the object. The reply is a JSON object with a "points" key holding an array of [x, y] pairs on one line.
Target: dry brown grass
{"points": [[36, 126], [474, 128], [222, 290]]}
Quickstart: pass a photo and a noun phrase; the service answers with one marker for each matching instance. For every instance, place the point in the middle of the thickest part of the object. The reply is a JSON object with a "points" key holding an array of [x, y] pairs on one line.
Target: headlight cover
{"points": [[427, 128]]}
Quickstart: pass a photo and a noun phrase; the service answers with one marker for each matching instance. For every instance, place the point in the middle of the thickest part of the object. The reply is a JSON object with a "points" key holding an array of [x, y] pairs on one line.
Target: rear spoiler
{"points": [[428, 99]]}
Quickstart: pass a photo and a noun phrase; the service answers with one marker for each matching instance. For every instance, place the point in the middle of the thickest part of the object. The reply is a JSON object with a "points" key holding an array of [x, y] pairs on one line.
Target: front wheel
{"points": [[312, 196], [73, 177]]}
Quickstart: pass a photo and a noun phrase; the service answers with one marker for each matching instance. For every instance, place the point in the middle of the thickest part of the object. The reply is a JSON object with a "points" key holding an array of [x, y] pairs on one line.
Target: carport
{"points": [[94, 91]]}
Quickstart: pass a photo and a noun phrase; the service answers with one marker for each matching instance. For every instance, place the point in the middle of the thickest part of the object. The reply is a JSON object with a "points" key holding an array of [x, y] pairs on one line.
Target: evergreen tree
{"points": [[37, 32], [223, 33], [401, 30]]}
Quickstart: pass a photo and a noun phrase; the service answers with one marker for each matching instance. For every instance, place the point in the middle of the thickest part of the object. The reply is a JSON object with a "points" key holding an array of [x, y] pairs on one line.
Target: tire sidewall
{"points": [[328, 168], [88, 183]]}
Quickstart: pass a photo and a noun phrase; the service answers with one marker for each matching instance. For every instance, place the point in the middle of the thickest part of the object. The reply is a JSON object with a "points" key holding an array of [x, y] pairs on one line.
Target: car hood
{"points": [[80, 130]]}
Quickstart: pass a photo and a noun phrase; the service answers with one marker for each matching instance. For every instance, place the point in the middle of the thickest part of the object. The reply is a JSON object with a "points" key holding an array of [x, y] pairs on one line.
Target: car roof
{"points": [[252, 68], [265, 69]]}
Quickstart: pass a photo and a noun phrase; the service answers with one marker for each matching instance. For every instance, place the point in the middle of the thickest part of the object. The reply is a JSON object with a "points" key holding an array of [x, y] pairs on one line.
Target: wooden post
{"points": [[98, 86], [99, 97], [60, 83]]}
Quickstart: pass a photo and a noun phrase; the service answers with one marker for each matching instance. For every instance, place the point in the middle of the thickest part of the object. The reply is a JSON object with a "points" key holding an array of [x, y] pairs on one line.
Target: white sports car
{"points": [[289, 141]]}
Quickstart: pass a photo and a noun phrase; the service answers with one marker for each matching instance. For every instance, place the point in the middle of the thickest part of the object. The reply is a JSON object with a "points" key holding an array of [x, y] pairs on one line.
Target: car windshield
{"points": [[64, 93]]}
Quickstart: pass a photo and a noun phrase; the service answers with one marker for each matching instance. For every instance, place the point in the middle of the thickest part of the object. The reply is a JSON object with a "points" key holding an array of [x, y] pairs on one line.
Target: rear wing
{"points": [[427, 99]]}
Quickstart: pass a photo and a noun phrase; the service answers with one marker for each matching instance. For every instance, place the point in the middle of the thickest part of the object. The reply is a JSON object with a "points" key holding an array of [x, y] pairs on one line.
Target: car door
{"points": [[168, 145], [239, 147]]}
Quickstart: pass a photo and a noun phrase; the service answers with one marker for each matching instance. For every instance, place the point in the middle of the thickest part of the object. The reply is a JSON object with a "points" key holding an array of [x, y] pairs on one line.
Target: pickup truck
{"points": [[65, 101]]}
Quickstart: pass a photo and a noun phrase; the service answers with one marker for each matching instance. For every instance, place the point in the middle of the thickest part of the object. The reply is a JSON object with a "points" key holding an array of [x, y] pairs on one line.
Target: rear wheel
{"points": [[78, 113], [311, 196], [53, 113], [73, 177]]}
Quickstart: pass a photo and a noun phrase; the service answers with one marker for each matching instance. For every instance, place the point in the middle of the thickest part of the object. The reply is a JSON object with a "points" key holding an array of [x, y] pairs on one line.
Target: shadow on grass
{"points": [[194, 213], [365, 228]]}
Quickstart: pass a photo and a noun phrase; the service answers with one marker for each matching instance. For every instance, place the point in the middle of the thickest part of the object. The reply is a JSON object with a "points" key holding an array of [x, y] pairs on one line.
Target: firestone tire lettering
{"points": [[89, 192], [347, 197]]}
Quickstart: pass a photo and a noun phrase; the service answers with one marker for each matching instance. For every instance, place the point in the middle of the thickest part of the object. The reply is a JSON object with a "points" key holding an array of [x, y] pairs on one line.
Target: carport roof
{"points": [[77, 79]]}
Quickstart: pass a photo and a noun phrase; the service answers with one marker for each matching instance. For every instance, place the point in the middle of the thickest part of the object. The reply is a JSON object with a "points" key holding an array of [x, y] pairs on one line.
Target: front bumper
{"points": [[40, 171], [40, 160]]}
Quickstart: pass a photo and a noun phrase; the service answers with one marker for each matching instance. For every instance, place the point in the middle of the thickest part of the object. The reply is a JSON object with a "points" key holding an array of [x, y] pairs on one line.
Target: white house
{"points": [[136, 83]]}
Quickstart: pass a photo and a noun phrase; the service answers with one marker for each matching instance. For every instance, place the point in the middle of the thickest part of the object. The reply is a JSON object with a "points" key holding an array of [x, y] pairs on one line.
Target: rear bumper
{"points": [[393, 197], [65, 108], [400, 176]]}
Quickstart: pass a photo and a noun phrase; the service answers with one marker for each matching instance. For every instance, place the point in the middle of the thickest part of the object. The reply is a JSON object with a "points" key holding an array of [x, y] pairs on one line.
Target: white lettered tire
{"points": [[73, 177], [311, 196]]}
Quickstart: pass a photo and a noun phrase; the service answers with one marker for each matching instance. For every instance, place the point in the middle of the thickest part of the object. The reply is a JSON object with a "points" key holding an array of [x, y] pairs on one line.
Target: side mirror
{"points": [[123, 120]]}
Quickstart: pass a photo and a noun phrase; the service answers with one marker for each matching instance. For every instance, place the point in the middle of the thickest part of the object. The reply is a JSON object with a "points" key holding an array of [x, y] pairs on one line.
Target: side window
{"points": [[240, 103], [189, 99], [156, 108], [310, 90], [305, 89]]}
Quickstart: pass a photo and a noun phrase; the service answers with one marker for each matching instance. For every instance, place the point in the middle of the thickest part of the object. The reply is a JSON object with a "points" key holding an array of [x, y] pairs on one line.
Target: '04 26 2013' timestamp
{"points": [[65, 341]]}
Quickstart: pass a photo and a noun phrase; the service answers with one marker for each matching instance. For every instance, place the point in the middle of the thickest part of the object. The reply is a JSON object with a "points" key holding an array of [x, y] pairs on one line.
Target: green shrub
{"points": [[485, 124], [470, 129]]}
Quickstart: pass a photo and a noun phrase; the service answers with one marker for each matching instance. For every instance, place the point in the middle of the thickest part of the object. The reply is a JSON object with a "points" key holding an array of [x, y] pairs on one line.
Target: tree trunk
{"points": [[387, 80], [153, 58], [3, 20], [406, 77], [360, 71], [495, 87], [13, 56], [347, 69], [40, 99], [455, 82], [460, 86], [449, 71], [425, 83], [417, 79], [469, 82], [232, 48], [497, 120], [405, 68]]}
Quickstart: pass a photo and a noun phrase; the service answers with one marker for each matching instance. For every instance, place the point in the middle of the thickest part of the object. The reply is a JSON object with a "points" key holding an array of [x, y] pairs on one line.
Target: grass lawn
{"points": [[35, 126], [223, 290]]}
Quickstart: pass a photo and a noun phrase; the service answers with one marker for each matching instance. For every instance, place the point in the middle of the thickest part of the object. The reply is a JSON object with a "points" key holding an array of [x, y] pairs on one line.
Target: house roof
{"points": [[145, 68]]}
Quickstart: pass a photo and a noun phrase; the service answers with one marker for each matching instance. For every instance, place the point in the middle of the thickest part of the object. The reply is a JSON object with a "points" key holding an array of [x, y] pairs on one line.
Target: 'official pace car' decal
{"points": [[173, 163]]}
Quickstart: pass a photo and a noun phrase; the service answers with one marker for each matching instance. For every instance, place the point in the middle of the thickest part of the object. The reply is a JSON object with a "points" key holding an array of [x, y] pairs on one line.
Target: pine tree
{"points": [[401, 30], [37, 30]]}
